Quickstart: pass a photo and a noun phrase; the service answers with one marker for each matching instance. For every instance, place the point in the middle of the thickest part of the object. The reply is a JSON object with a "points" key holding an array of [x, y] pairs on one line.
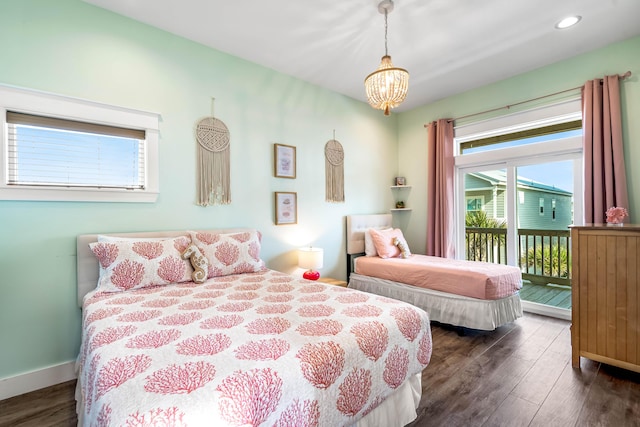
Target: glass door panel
{"points": [[485, 217], [545, 210]]}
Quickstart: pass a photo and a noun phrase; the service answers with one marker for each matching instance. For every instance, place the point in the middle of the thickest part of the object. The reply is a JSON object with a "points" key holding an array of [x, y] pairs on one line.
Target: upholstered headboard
{"points": [[87, 264], [356, 226]]}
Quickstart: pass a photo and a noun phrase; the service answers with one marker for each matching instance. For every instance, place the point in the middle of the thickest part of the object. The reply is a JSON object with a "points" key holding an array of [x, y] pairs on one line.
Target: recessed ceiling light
{"points": [[568, 22]]}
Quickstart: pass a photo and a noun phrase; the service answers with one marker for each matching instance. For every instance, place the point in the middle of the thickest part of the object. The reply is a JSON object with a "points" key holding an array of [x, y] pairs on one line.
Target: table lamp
{"points": [[310, 259]]}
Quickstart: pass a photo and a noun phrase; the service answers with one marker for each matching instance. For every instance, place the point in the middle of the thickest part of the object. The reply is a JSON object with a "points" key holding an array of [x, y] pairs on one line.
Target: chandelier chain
{"points": [[385, 33]]}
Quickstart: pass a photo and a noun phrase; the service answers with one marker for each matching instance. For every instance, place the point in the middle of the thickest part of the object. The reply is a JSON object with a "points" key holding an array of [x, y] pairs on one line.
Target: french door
{"points": [[514, 206]]}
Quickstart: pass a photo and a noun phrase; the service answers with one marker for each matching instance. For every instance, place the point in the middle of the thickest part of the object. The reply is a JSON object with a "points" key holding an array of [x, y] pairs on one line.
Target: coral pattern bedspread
{"points": [[482, 280], [245, 349]]}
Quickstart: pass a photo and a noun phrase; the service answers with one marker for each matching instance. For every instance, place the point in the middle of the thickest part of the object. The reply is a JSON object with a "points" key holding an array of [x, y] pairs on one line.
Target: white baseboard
{"points": [[546, 310], [35, 380]]}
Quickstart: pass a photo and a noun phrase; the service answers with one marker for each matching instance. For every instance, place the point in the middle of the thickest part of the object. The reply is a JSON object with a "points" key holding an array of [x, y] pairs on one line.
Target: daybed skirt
{"points": [[444, 307]]}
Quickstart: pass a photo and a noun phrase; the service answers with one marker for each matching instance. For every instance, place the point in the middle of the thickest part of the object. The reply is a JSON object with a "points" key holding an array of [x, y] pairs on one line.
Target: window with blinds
{"points": [[54, 152]]}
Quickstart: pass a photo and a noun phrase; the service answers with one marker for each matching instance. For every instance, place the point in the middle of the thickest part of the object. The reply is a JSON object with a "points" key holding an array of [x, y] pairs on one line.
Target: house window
{"points": [[67, 149], [534, 166], [553, 209], [541, 206], [45, 151], [523, 137], [475, 203]]}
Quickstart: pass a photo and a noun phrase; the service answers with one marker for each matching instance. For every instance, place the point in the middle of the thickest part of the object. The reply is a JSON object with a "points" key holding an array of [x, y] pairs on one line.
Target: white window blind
{"points": [[49, 151]]}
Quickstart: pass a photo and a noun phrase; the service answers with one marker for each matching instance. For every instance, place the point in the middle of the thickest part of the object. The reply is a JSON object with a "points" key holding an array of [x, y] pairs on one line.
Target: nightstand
{"points": [[334, 282]]}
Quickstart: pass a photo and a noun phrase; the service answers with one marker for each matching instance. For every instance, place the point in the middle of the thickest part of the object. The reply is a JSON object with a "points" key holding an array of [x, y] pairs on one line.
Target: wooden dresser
{"points": [[605, 295]]}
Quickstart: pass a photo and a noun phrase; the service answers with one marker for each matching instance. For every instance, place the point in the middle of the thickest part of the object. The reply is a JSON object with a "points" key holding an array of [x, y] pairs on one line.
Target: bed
{"points": [[247, 346], [467, 294]]}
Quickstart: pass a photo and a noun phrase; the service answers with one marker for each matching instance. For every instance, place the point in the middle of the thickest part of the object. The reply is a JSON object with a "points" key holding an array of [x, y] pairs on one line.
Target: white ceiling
{"points": [[448, 46]]}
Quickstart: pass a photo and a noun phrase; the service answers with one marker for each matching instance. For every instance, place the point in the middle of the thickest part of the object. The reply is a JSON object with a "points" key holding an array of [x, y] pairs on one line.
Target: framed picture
{"points": [[286, 208], [284, 161], [399, 180]]}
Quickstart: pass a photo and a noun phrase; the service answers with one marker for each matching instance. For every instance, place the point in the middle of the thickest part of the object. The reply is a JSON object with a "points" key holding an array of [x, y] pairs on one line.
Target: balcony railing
{"points": [[543, 255]]}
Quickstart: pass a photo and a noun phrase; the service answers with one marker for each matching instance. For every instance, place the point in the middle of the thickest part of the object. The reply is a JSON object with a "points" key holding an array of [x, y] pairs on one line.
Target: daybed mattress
{"points": [[481, 280], [445, 307], [246, 349]]}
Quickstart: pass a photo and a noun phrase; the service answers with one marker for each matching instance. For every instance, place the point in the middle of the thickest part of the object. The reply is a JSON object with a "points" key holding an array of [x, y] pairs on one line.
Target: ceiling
{"points": [[448, 46]]}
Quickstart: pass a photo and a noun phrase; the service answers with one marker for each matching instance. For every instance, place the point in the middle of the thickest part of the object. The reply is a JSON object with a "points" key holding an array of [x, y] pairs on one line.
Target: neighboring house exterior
{"points": [[540, 206]]}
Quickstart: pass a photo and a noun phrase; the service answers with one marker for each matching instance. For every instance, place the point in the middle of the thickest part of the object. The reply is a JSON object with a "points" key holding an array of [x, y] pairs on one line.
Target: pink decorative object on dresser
{"points": [[616, 215]]}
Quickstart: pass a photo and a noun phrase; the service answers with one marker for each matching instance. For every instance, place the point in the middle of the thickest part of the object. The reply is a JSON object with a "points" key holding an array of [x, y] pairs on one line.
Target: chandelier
{"points": [[387, 86]]}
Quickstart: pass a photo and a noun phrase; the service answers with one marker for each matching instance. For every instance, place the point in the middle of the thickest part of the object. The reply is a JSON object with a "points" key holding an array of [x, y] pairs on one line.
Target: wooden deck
{"points": [[553, 295]]}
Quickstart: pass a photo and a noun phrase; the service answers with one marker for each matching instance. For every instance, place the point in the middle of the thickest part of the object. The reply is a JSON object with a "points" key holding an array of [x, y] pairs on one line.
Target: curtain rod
{"points": [[620, 76]]}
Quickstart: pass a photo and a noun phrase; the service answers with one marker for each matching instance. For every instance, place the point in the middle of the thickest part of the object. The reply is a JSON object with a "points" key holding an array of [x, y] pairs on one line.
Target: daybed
{"points": [[468, 294], [248, 346]]}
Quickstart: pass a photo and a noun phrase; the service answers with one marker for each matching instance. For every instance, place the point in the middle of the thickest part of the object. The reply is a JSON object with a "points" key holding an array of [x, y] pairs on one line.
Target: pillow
{"points": [[401, 243], [110, 238], [135, 264], [383, 241], [229, 253], [369, 247]]}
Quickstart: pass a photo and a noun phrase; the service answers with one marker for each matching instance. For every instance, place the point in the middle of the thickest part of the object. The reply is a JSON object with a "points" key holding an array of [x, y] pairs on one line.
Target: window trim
{"points": [[29, 101]]}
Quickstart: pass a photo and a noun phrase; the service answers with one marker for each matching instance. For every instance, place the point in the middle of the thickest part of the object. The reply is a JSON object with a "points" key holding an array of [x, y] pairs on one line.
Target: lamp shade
{"points": [[310, 258]]}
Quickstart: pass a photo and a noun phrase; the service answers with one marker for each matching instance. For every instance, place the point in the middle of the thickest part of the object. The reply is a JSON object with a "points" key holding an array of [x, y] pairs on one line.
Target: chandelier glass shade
{"points": [[386, 87]]}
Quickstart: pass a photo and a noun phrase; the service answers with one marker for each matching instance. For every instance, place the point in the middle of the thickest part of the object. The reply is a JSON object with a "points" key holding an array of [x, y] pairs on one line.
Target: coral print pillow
{"points": [[138, 264], [227, 254]]}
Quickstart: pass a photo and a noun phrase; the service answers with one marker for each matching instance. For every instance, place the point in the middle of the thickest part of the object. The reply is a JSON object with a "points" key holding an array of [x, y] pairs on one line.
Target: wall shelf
{"points": [[397, 196]]}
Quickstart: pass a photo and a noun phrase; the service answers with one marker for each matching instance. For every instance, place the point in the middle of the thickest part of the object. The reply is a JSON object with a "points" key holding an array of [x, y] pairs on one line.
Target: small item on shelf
{"points": [[400, 204], [400, 180], [616, 215]]}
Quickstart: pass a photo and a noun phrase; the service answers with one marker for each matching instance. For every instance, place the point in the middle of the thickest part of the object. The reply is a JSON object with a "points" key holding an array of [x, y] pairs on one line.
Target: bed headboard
{"points": [[356, 225], [87, 264]]}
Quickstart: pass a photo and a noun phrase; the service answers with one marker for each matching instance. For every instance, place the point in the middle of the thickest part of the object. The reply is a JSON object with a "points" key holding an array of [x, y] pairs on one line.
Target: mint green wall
{"points": [[72, 48], [616, 58]]}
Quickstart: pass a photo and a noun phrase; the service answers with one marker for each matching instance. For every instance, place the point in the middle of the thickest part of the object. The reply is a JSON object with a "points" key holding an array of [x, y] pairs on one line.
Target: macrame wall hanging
{"points": [[213, 162], [334, 170]]}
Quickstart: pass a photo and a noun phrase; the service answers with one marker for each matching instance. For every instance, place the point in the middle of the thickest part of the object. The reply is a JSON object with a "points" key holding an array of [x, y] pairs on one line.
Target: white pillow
{"points": [[369, 247]]}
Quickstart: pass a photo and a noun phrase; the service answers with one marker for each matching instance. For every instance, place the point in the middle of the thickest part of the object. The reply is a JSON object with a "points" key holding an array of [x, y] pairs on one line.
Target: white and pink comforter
{"points": [[245, 350]]}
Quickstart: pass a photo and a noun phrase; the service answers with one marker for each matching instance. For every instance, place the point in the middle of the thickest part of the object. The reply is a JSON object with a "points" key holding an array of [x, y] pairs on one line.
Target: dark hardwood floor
{"points": [[53, 406], [517, 375]]}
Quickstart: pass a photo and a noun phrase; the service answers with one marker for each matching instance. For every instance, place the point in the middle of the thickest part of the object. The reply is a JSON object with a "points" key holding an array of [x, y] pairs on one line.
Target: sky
{"points": [[558, 174]]}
